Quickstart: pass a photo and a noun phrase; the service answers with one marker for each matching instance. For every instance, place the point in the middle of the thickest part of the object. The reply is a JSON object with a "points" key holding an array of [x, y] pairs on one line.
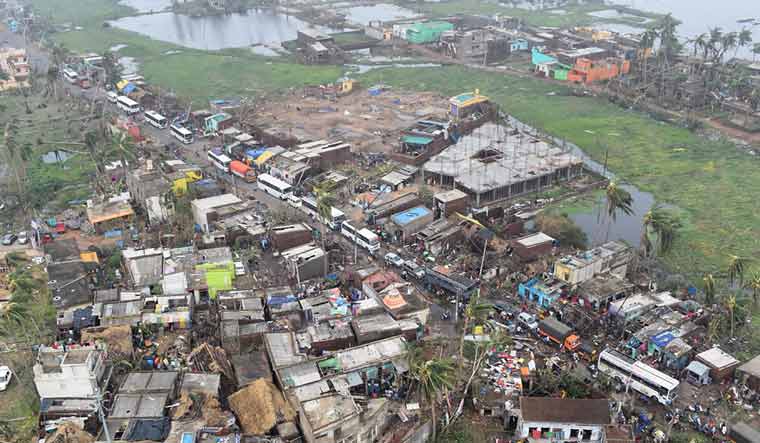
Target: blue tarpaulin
{"points": [[253, 154], [280, 299], [662, 339], [128, 88], [112, 233]]}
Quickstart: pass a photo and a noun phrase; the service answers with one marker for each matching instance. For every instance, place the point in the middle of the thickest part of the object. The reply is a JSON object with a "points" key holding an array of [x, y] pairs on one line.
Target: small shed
{"points": [[533, 246], [750, 372], [411, 221], [721, 364], [697, 373], [450, 202]]}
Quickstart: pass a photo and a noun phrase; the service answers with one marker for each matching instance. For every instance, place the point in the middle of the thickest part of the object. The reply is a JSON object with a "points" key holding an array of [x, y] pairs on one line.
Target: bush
{"points": [[562, 228]]}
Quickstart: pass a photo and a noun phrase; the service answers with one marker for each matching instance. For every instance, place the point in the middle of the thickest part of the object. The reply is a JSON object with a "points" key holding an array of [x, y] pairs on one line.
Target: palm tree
{"points": [[618, 199], [669, 44], [744, 38], [753, 284], [433, 376], [731, 306], [325, 199], [645, 45], [709, 287], [476, 312], [663, 224], [735, 269]]}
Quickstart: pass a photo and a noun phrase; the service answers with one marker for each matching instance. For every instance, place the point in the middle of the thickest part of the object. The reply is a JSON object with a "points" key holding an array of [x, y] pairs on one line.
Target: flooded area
{"points": [[257, 27], [384, 12], [58, 156], [613, 14], [129, 65], [147, 5], [361, 69]]}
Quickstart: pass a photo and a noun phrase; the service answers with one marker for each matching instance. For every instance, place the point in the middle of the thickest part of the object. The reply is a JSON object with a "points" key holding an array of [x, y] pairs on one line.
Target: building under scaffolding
{"points": [[496, 162]]}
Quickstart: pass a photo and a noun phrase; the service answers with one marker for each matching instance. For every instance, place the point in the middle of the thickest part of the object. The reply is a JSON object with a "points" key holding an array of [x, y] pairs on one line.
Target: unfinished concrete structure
{"points": [[495, 163]]}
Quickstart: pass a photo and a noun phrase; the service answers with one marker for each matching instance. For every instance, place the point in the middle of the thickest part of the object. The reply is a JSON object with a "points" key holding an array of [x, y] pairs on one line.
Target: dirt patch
{"points": [[259, 407]]}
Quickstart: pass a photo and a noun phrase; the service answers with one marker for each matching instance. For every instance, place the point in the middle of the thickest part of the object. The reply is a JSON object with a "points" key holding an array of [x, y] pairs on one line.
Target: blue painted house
{"points": [[543, 292], [519, 44]]}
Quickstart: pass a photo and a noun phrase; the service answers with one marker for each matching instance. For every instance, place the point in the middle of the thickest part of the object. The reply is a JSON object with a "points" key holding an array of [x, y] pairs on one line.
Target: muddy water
{"points": [[257, 27], [362, 15]]}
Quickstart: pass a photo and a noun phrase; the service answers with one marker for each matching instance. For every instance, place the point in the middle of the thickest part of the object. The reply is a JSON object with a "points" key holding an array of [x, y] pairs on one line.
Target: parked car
{"points": [[393, 259], [414, 270], [528, 320], [23, 238], [8, 239], [5, 377], [112, 97]]}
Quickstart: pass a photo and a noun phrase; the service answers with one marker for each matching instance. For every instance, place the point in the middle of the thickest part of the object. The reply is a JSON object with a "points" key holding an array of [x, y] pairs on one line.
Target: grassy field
{"points": [[571, 15], [710, 181]]}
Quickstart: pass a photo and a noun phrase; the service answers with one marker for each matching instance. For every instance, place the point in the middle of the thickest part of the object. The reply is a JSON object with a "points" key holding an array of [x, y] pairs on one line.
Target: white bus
{"points": [[309, 205], [70, 75], [182, 134], [639, 376], [364, 238], [128, 105], [156, 119], [218, 159], [274, 186]]}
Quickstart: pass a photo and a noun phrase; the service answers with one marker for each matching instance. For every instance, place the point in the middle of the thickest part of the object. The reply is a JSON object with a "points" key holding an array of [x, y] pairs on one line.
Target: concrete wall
{"points": [[597, 433]]}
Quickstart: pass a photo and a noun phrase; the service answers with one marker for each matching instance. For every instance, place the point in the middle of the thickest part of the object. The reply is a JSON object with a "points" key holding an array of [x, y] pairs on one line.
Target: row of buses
{"points": [[131, 107]]}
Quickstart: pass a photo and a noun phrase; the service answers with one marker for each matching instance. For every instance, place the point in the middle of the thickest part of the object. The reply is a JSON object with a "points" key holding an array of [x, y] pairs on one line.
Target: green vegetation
{"points": [[570, 15], [81, 12], [708, 180]]}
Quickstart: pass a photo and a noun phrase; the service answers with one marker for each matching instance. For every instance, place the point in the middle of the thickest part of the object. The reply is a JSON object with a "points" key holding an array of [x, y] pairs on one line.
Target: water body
{"points": [[361, 69], [698, 16], [257, 27], [384, 12], [147, 5], [598, 229], [58, 156]]}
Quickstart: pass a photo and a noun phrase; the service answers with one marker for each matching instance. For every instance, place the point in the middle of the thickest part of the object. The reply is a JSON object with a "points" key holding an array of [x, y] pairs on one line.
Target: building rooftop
{"points": [[586, 258], [536, 239], [717, 358], [565, 410], [324, 411], [283, 349], [408, 216], [451, 195], [205, 204], [751, 367], [147, 405], [149, 381]]}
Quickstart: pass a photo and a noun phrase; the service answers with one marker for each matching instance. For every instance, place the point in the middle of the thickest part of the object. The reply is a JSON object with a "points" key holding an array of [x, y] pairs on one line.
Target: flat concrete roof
{"points": [[216, 201]]}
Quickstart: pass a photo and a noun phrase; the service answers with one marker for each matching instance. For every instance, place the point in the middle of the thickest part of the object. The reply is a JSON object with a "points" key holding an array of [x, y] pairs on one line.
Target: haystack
{"points": [[259, 407], [68, 432], [118, 338]]}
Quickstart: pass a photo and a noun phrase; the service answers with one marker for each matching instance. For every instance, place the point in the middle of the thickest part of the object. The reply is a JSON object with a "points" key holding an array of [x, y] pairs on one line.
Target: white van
{"points": [[112, 96], [294, 201], [528, 320]]}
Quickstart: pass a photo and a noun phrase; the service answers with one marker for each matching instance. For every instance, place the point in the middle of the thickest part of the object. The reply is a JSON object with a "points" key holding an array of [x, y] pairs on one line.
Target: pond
{"points": [[147, 5], [599, 229], [384, 12], [256, 27], [58, 156], [614, 14]]}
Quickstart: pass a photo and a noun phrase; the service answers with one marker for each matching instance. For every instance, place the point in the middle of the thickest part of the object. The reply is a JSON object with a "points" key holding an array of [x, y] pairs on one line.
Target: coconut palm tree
{"points": [[731, 306], [753, 284], [325, 200], [475, 312], [735, 269], [433, 377], [708, 283], [663, 224], [618, 199], [669, 44]]}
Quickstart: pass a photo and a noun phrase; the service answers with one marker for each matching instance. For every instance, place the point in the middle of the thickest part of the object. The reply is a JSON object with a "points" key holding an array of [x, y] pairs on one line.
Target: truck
{"points": [[243, 171], [559, 333]]}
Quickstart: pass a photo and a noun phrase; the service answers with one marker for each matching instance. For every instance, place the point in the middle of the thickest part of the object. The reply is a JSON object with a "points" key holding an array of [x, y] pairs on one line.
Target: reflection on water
{"points": [[217, 32], [58, 156]]}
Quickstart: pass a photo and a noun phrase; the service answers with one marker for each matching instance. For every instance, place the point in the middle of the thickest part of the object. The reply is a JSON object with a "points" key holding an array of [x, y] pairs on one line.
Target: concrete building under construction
{"points": [[496, 162]]}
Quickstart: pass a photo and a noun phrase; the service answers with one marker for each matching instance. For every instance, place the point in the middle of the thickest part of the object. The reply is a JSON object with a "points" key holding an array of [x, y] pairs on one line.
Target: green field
{"points": [[711, 181]]}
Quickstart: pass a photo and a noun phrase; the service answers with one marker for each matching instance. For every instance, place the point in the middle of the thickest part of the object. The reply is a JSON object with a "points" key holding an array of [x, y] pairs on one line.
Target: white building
{"points": [[612, 257], [69, 373], [205, 208], [545, 419]]}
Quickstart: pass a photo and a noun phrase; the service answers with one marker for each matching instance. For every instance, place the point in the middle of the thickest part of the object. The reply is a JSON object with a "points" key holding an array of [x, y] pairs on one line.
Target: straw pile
{"points": [[118, 338], [68, 432], [259, 407]]}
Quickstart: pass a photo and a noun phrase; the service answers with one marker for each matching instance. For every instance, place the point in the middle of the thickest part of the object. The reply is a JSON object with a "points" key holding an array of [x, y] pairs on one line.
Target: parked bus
{"points": [[70, 75], [274, 186], [364, 238], [337, 216], [218, 159], [182, 134], [156, 119], [128, 105], [638, 376]]}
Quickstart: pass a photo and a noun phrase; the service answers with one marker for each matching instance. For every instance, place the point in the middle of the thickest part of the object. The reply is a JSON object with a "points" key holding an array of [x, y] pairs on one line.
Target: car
{"points": [[112, 97], [5, 377], [239, 269], [23, 238], [413, 269], [393, 259], [528, 320], [8, 239], [294, 201]]}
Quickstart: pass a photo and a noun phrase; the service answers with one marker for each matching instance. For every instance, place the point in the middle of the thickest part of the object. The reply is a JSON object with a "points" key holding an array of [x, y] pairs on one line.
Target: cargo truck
{"points": [[559, 333], [243, 171]]}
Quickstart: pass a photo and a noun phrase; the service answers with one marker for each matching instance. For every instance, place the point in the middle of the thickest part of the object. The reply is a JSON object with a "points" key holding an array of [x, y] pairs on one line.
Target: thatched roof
{"points": [[118, 338], [68, 432], [259, 407]]}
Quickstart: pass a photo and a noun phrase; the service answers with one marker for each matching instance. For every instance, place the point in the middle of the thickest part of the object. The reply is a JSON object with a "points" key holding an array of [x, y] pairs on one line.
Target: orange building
{"points": [[589, 71]]}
